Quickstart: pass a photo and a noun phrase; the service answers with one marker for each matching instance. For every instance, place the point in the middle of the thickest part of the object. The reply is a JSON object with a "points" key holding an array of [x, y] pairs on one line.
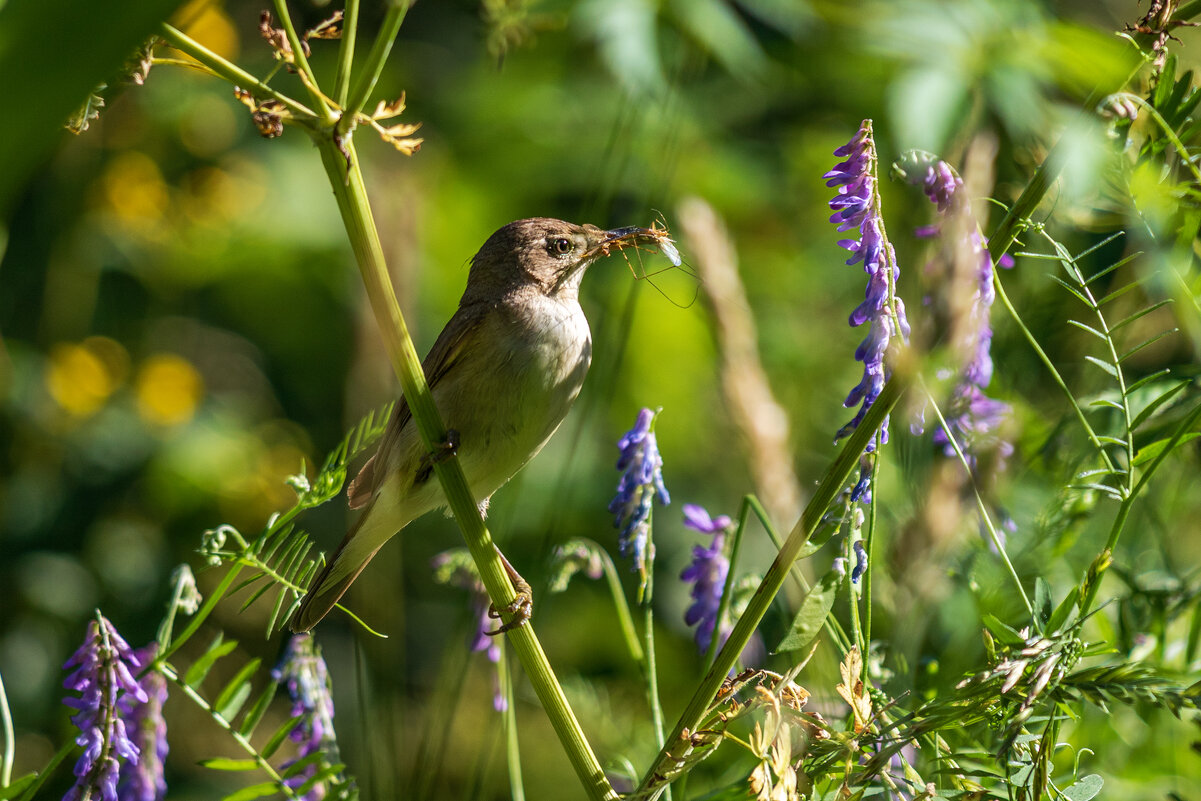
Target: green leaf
{"points": [[14, 789], [1149, 452], [234, 688], [1106, 366], [1042, 601], [1089, 329], [277, 739], [1148, 341], [201, 667], [1061, 613], [224, 763], [1005, 634], [813, 612], [1086, 788], [257, 710], [1154, 405], [253, 791], [1147, 379], [1138, 315]]}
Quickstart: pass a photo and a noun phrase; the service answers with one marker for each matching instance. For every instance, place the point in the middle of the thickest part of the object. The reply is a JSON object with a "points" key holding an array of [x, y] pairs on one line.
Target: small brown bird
{"points": [[503, 373]]}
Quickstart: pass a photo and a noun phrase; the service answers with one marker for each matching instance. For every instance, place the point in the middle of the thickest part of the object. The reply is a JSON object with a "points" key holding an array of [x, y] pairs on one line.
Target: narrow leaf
{"points": [[1005, 634], [14, 789], [228, 702], [201, 667], [225, 763], [1145, 343], [1061, 613], [1117, 293], [253, 791], [257, 710], [813, 612], [1106, 366], [1147, 379], [1138, 315], [1155, 404], [1079, 295], [1149, 452], [1089, 329], [277, 739]]}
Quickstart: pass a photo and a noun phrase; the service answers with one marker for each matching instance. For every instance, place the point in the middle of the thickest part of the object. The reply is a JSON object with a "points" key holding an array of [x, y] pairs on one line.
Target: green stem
{"points": [[869, 546], [237, 736], [652, 676], [512, 749], [60, 755], [832, 483], [10, 743], [981, 507], [350, 27], [369, 72], [303, 70], [346, 179], [230, 71], [624, 618]]}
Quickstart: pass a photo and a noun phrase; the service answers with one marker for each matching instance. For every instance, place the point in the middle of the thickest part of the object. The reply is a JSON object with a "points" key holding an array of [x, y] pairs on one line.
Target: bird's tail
{"points": [[339, 573]]}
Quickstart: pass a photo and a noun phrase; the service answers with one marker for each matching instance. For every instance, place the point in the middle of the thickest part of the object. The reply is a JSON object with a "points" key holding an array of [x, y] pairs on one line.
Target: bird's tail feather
{"points": [[334, 580]]}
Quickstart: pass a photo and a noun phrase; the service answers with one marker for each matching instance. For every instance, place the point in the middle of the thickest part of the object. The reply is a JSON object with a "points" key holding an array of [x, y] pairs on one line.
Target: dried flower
{"points": [[303, 673], [143, 780], [857, 205], [707, 574], [104, 667], [641, 482]]}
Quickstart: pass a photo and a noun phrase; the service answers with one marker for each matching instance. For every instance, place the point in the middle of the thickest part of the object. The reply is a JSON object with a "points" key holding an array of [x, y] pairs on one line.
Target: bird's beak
{"points": [[634, 236]]}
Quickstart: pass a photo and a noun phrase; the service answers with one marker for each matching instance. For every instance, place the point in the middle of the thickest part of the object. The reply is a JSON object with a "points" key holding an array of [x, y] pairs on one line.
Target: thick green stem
{"points": [[652, 785], [10, 745], [346, 180]]}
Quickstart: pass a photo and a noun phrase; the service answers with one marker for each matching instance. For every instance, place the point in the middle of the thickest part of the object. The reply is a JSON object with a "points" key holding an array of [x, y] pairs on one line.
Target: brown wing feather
{"points": [[438, 362]]}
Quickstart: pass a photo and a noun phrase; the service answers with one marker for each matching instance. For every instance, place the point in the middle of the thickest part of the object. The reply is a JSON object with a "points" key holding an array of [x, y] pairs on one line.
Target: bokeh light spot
{"points": [[134, 189], [169, 389], [81, 376]]}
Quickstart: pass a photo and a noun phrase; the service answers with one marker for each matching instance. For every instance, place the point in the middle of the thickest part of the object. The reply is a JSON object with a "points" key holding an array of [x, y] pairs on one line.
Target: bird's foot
{"points": [[446, 448], [522, 605]]}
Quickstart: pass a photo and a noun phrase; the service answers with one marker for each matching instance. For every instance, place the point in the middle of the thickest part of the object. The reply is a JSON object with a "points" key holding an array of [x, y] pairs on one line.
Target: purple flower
{"points": [[972, 417], [143, 780], [455, 567], [857, 206], [860, 561], [641, 482], [303, 673], [104, 667], [707, 574]]}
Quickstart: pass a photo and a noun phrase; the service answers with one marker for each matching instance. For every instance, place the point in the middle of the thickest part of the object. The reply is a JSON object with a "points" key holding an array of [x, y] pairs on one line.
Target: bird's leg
{"points": [[522, 606]]}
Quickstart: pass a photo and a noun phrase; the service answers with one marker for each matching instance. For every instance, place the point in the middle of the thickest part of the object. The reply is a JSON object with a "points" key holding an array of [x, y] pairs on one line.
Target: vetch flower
{"points": [[641, 482], [303, 674], [972, 418], [104, 667], [860, 561], [857, 206], [456, 567], [143, 780], [707, 574]]}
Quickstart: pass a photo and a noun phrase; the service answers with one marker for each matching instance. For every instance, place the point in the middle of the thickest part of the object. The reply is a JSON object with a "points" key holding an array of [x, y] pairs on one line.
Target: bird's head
{"points": [[551, 255]]}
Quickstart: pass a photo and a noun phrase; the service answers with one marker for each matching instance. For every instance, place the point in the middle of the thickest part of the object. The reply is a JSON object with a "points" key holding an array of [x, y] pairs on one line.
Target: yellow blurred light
{"points": [[134, 188], [168, 390], [206, 22], [81, 377]]}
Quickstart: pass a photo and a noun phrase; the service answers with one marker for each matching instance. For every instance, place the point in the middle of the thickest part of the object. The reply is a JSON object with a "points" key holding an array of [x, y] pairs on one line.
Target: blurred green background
{"points": [[183, 327]]}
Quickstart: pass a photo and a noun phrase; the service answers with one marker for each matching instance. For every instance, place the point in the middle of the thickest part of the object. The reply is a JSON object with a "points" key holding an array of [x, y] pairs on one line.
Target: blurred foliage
{"points": [[182, 328]]}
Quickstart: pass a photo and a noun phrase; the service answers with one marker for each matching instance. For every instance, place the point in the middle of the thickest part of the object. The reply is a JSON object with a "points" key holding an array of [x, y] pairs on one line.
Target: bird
{"points": [[503, 373]]}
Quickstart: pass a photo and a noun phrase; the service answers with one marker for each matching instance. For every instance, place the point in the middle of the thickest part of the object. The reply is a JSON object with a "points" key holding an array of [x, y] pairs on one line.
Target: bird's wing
{"points": [[442, 357]]}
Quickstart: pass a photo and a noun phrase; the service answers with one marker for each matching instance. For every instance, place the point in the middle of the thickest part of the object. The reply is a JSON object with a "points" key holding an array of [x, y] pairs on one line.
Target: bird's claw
{"points": [[521, 607]]}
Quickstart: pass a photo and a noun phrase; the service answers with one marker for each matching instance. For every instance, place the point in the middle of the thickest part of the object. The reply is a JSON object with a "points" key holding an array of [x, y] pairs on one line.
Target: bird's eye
{"points": [[561, 247]]}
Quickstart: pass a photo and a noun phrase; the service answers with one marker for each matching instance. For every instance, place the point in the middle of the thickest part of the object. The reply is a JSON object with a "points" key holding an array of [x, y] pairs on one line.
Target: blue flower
{"points": [[860, 561], [857, 206], [104, 667], [304, 675], [641, 482], [707, 574]]}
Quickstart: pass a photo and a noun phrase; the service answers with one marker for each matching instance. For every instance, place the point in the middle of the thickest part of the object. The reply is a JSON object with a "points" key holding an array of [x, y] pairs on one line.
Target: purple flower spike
{"points": [[707, 574], [972, 417], [641, 482], [143, 780], [303, 673], [104, 667], [858, 206], [860, 561]]}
